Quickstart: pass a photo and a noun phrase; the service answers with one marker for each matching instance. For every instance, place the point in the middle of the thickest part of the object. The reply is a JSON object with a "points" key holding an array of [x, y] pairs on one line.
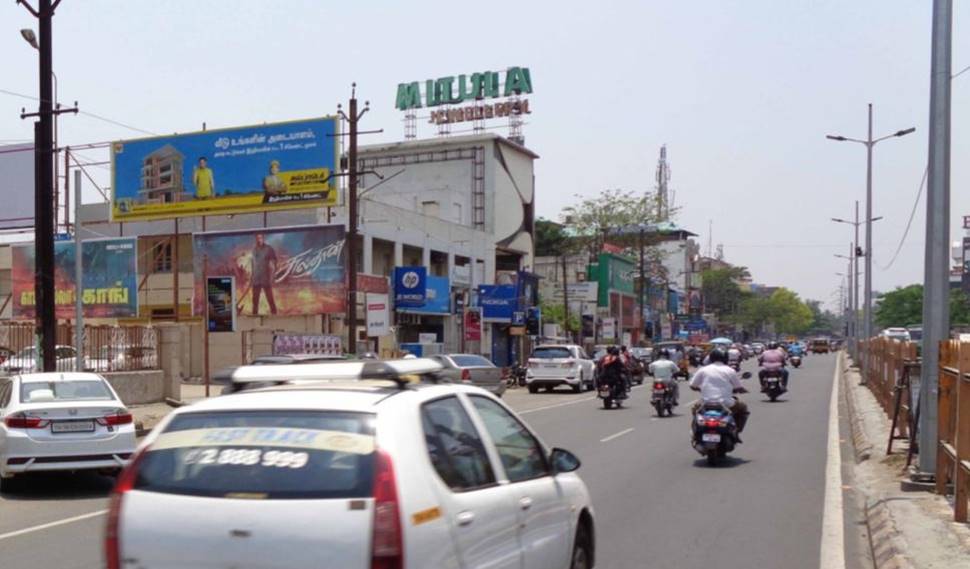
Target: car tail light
{"points": [[712, 423], [24, 421], [387, 551], [466, 375], [112, 533], [568, 364], [121, 417]]}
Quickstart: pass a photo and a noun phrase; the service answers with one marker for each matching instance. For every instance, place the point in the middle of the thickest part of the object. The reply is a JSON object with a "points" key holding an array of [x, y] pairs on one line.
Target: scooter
{"points": [[714, 432], [773, 387], [662, 398]]}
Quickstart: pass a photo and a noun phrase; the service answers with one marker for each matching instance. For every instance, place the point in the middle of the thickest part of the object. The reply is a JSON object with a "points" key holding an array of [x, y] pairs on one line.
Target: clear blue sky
{"points": [[742, 92]]}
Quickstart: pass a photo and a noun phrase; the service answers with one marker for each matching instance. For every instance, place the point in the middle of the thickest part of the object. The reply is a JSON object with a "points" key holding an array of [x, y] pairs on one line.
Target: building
{"points": [[162, 176]]}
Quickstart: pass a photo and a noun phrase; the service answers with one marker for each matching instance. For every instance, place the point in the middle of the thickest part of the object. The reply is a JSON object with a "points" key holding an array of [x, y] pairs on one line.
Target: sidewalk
{"points": [[907, 529], [147, 416]]}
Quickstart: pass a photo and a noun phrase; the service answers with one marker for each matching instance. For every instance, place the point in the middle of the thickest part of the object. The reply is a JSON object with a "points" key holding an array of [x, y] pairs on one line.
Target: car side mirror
{"points": [[563, 461], [746, 375]]}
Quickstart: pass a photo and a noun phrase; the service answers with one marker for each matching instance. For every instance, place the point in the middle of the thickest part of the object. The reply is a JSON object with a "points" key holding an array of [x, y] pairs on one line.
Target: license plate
{"points": [[771, 380], [658, 391], [72, 427], [711, 437]]}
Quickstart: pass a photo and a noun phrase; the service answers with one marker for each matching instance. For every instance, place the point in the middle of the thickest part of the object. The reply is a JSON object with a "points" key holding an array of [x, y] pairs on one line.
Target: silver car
{"points": [[472, 369]]}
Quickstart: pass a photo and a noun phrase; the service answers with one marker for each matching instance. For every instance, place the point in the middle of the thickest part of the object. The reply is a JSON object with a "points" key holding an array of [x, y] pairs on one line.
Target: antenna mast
{"points": [[663, 192]]}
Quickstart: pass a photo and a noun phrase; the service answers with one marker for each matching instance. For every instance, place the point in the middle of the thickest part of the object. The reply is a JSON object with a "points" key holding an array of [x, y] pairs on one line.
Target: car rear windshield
{"points": [[550, 353], [262, 455], [471, 361], [86, 390]]}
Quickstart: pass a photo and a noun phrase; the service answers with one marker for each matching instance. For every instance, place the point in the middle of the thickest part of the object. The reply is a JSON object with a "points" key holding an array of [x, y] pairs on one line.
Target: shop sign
{"points": [[437, 297], [473, 325], [609, 328], [410, 286], [497, 302], [378, 314], [427, 338], [454, 90], [372, 283]]}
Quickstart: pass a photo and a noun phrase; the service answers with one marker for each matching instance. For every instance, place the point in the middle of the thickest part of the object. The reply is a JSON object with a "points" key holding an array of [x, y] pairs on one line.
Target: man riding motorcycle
{"points": [[718, 383], [664, 371], [612, 369], [734, 356], [773, 359]]}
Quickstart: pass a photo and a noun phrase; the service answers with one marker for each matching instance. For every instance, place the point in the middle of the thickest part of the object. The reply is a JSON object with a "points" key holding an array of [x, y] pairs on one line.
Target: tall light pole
{"points": [[856, 253], [869, 143], [936, 293], [851, 300]]}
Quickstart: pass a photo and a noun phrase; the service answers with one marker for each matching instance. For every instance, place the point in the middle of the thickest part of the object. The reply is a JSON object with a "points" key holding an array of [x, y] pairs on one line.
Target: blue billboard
{"points": [[437, 297], [226, 171], [498, 302], [410, 286]]}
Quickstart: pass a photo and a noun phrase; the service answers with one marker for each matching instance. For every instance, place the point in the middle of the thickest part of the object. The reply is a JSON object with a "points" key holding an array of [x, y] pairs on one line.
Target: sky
{"points": [[742, 93]]}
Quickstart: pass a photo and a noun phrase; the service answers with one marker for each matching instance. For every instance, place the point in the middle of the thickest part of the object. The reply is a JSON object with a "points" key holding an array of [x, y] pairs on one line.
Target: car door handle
{"points": [[465, 518], [525, 503]]}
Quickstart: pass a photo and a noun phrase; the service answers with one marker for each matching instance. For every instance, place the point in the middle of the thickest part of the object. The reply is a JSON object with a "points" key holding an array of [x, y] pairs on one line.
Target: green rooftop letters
{"points": [[408, 96], [517, 81], [457, 89]]}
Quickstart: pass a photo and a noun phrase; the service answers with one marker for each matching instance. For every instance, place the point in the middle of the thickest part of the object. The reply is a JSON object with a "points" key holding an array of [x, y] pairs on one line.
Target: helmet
{"points": [[613, 351], [772, 345], [664, 354], [623, 349], [718, 355]]}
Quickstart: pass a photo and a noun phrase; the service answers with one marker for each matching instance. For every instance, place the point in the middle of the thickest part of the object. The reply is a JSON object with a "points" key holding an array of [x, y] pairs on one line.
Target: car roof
{"points": [[55, 376], [556, 346], [298, 357]]}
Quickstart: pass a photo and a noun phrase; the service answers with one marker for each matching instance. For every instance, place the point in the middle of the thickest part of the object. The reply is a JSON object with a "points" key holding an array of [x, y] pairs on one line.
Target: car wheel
{"points": [[578, 388], [9, 485], [582, 556], [533, 389]]}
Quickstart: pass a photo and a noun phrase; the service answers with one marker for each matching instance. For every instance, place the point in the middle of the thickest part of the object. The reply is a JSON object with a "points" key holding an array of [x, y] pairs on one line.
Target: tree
{"points": [[592, 219], [788, 313], [901, 307], [722, 295], [554, 313], [550, 238], [959, 308]]}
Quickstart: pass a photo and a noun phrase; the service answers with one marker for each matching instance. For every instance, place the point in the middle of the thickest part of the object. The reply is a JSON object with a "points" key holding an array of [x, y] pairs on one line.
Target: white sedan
{"points": [[329, 469], [62, 421]]}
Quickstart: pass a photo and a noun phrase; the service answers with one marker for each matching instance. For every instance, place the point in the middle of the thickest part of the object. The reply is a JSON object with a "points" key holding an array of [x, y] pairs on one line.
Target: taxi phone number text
{"points": [[247, 457]]}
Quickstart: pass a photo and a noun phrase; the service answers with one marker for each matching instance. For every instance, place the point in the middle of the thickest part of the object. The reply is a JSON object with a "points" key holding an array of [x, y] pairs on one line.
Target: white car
{"points": [[554, 365], [901, 334], [62, 421], [25, 361], [347, 473]]}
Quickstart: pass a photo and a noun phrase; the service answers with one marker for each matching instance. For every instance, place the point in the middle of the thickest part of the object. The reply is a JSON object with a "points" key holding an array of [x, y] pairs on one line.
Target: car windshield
{"points": [[463, 360], [263, 454], [82, 390], [551, 353]]}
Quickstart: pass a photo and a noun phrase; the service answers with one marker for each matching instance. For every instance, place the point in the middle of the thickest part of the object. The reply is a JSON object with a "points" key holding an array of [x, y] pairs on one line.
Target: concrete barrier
{"points": [[138, 387]]}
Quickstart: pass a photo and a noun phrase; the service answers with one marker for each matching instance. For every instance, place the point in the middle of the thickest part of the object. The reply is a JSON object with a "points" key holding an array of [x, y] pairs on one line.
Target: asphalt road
{"points": [[658, 504]]}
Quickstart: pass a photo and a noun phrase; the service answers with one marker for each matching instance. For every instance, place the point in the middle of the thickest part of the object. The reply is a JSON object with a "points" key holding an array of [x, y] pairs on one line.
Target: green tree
{"points": [[722, 295], [554, 313], [901, 307], [753, 313], [591, 221], [551, 239], [959, 308], [788, 313]]}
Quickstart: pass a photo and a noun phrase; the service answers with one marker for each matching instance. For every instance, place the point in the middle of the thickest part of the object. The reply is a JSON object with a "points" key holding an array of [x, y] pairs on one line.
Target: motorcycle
{"points": [[611, 393], [796, 361], [662, 398], [714, 431], [772, 384]]}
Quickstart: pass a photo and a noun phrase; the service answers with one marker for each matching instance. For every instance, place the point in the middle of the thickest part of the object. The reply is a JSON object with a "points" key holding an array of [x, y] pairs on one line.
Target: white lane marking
{"points": [[832, 555], [573, 402], [617, 435], [52, 524]]}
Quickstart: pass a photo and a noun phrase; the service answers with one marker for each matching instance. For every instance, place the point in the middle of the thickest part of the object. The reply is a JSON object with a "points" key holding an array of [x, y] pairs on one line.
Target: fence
{"points": [[106, 348], [953, 425], [888, 376]]}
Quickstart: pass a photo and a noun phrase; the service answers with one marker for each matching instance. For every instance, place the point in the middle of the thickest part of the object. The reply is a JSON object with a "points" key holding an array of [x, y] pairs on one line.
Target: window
{"points": [[161, 257], [522, 455], [463, 360], [456, 451], [431, 209], [552, 352], [82, 390]]}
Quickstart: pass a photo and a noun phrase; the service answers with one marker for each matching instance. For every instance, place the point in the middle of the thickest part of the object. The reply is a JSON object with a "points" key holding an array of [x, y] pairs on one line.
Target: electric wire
{"points": [[85, 113], [912, 214]]}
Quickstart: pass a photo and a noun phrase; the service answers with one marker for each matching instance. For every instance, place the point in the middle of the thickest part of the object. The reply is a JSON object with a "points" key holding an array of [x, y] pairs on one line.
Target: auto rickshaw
{"points": [[678, 354]]}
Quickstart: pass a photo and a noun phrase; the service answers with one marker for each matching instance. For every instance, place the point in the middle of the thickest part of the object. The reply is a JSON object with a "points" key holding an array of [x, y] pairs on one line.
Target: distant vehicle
{"points": [[901, 334], [915, 333], [678, 355], [224, 376], [375, 471], [560, 364], [472, 369], [758, 348], [820, 346], [125, 358], [25, 361], [645, 355], [62, 421]]}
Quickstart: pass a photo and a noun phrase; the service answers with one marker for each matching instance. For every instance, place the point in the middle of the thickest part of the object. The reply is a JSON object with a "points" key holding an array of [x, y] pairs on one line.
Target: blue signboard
{"points": [[498, 302], [437, 297], [410, 286]]}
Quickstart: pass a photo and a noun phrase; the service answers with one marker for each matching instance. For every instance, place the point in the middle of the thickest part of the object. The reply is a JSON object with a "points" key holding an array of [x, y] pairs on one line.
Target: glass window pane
{"points": [[521, 453], [456, 450]]}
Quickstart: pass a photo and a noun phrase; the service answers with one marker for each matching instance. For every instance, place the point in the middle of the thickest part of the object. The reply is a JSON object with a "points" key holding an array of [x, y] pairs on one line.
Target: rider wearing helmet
{"points": [[773, 359], [663, 371], [612, 368], [718, 382]]}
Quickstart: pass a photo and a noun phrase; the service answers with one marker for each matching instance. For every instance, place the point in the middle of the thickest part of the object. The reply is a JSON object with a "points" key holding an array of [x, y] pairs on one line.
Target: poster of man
{"points": [[277, 271], [226, 171]]}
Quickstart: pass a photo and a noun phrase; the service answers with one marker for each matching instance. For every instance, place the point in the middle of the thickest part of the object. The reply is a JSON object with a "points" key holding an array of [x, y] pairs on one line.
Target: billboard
{"points": [[378, 314], [17, 186], [498, 302], [410, 286], [437, 296], [227, 171], [110, 279], [278, 271], [221, 296]]}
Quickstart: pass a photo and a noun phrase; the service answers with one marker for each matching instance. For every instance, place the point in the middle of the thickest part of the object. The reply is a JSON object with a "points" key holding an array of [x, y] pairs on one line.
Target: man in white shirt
{"points": [[718, 382], [663, 371]]}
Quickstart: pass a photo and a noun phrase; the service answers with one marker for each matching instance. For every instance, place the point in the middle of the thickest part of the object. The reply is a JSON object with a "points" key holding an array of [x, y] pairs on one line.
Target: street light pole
{"points": [[869, 142]]}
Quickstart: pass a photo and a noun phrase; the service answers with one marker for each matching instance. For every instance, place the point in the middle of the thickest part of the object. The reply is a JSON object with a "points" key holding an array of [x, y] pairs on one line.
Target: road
{"points": [[657, 502]]}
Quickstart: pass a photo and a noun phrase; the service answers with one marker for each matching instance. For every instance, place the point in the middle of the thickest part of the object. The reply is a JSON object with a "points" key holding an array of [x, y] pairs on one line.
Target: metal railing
{"points": [[887, 377], [953, 425], [106, 348]]}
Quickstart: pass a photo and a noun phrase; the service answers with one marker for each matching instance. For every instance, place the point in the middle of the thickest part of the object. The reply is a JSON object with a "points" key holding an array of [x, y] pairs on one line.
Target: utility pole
{"points": [[78, 275], [936, 294], [44, 210], [643, 285], [855, 292], [565, 296]]}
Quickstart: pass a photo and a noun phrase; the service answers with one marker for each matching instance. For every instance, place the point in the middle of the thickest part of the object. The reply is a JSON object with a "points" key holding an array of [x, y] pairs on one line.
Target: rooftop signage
{"points": [[453, 90]]}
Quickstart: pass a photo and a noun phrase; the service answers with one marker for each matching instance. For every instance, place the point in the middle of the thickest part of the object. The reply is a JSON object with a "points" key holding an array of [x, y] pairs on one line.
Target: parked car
{"points": [[25, 361], [472, 369], [352, 473], [123, 359], [61, 421], [560, 364]]}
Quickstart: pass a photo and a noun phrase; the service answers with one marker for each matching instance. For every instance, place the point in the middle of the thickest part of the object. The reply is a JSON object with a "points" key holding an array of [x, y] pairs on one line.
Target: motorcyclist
{"points": [[796, 350], [628, 365], [612, 369], [718, 382], [773, 359], [664, 371], [734, 355]]}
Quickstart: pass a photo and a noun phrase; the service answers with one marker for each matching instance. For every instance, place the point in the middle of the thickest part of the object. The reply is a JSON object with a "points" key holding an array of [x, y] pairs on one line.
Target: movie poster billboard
{"points": [[227, 171], [277, 271], [109, 286]]}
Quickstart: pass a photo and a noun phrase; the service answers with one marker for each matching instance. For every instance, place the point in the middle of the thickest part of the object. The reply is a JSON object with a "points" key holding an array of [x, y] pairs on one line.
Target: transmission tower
{"points": [[663, 191]]}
